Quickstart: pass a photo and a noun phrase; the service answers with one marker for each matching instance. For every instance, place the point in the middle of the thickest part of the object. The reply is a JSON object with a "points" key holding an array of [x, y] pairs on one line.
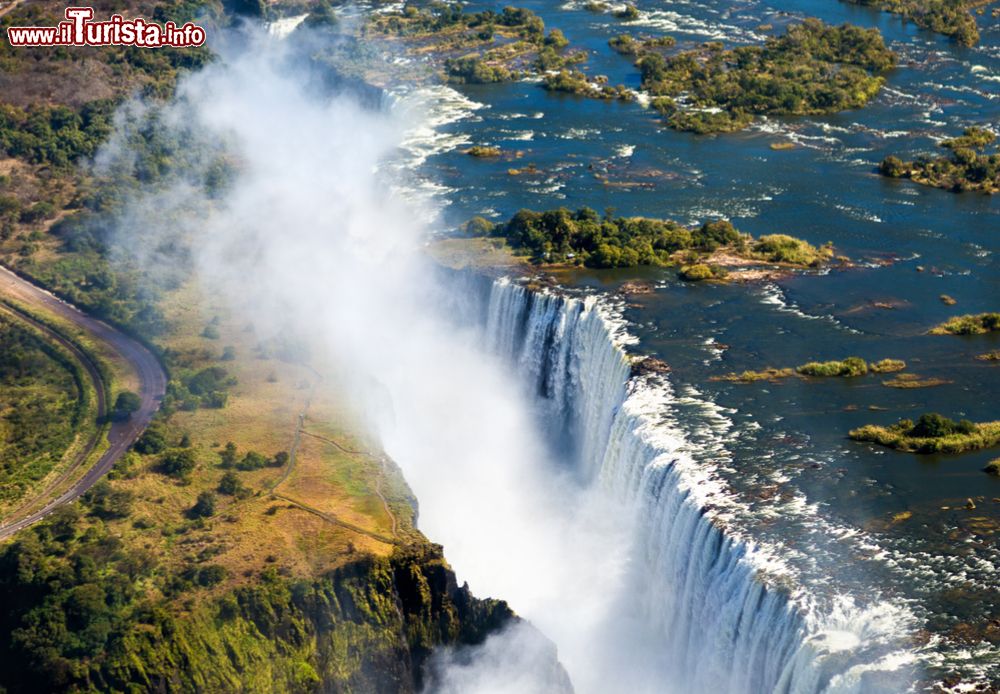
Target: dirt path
{"points": [[378, 480], [8, 7], [152, 379], [293, 452]]}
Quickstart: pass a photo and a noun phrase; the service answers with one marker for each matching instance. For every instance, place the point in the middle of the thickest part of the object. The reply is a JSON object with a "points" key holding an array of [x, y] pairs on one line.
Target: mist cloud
{"points": [[312, 238]]}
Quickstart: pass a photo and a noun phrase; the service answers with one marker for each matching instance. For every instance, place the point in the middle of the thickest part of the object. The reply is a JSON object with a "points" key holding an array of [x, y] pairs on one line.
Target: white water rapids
{"points": [[693, 588]]}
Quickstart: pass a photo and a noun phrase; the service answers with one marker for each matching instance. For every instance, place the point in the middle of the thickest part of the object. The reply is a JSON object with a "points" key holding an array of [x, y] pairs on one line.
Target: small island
{"points": [[932, 433], [838, 368], [813, 69], [480, 48], [976, 324], [968, 166], [585, 238], [948, 17]]}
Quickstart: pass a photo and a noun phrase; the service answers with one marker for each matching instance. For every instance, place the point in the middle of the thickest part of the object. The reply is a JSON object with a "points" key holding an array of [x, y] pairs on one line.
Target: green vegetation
{"points": [[629, 45], [947, 300], [178, 462], [769, 374], [949, 17], [701, 271], [204, 507], [993, 467], [153, 440], [628, 13], [42, 402], [585, 238], [989, 356], [968, 166], [576, 82], [843, 368], [478, 48], [932, 433], [887, 366], [483, 151], [977, 324], [914, 381], [813, 68], [89, 613], [126, 404], [54, 135], [852, 366], [781, 248], [206, 387]]}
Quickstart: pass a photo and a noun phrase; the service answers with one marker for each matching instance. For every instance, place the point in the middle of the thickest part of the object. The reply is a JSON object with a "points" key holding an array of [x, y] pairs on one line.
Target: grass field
{"points": [[337, 499]]}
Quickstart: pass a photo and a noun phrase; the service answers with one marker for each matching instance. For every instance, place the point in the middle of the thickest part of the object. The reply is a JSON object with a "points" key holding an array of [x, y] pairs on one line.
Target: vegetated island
{"points": [[840, 368], [973, 324], [951, 18], [585, 238], [968, 166], [932, 433], [477, 48], [812, 69]]}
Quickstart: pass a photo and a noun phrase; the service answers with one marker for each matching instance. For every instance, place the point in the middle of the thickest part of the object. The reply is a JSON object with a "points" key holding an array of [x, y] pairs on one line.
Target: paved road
{"points": [[152, 379]]}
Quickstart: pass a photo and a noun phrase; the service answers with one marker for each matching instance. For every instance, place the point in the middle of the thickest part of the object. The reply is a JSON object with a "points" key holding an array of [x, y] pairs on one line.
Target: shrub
{"points": [[711, 235], [230, 484], [477, 226], [483, 151], [887, 366], [178, 462], [934, 425], [781, 248], [252, 461], [892, 167], [204, 507], [969, 325], [628, 13], [107, 502], [211, 575], [126, 403], [696, 273], [153, 440], [228, 455], [852, 366]]}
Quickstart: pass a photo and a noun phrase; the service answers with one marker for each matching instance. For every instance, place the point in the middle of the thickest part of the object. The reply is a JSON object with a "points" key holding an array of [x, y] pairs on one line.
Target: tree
{"points": [[178, 462], [934, 425], [153, 440], [892, 166], [107, 502], [228, 455], [204, 507], [252, 461], [230, 484], [126, 403], [280, 459]]}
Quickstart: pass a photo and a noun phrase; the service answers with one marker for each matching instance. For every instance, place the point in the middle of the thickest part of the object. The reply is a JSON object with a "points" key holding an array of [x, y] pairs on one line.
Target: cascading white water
{"points": [[696, 587]]}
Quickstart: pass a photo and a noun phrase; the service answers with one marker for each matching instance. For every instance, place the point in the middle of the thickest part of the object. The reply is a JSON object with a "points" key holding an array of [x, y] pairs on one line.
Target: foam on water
{"points": [[726, 611]]}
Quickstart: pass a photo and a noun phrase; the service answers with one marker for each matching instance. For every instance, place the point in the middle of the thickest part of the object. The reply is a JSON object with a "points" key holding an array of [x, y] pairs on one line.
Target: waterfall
{"points": [[698, 587]]}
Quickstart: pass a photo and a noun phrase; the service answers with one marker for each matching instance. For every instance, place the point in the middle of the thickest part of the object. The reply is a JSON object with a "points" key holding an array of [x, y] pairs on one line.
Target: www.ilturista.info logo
{"points": [[78, 30]]}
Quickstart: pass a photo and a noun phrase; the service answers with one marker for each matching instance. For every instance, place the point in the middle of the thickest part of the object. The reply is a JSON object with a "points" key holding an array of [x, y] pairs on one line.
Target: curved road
{"points": [[152, 380]]}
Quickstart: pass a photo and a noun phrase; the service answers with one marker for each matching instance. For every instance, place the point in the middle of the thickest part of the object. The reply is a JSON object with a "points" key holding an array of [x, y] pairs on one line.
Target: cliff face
{"points": [[369, 626]]}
